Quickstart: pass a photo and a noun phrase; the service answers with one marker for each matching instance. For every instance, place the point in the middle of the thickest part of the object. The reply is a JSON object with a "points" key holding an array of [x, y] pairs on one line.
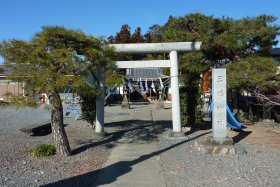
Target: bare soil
{"points": [[259, 134]]}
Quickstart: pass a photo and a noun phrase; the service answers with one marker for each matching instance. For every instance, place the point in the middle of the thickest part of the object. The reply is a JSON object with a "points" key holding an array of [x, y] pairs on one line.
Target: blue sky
{"points": [[21, 19]]}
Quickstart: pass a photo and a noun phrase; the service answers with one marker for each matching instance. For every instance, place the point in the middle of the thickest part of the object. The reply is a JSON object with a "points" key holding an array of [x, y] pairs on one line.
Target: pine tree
{"points": [[53, 58]]}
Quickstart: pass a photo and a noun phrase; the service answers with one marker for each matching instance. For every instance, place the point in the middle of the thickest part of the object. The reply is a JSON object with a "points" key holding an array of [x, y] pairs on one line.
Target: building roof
{"points": [[145, 73], [4, 71], [275, 51]]}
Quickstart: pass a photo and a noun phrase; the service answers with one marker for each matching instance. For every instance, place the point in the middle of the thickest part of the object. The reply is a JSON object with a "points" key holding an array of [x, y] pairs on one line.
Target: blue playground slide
{"points": [[231, 120]]}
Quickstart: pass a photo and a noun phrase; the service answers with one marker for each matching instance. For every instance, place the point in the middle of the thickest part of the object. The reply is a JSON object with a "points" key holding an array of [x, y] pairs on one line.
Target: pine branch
{"points": [[264, 98]]}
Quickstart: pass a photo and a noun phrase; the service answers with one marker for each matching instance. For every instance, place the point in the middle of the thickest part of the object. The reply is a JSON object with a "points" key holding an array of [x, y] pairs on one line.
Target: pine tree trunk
{"points": [[58, 131]]}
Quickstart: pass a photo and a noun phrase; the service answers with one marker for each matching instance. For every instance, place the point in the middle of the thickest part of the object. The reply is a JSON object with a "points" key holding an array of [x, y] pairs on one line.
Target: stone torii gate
{"points": [[172, 63]]}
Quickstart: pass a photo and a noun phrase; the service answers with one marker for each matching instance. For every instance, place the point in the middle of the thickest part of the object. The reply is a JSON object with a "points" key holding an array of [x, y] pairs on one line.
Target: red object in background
{"points": [[206, 87], [42, 98]]}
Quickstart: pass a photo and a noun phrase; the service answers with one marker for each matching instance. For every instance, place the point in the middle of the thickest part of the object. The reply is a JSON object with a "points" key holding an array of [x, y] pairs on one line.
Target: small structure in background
{"points": [[9, 86], [150, 77], [72, 103], [275, 54], [206, 89], [140, 85]]}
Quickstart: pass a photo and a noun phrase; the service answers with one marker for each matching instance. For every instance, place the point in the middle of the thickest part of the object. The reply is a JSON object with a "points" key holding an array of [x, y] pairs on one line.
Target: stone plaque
{"points": [[219, 97]]}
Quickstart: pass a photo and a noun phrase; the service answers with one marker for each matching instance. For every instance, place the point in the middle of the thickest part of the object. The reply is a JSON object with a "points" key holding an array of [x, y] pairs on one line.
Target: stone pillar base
{"points": [[99, 135], [159, 105], [219, 150], [167, 105], [216, 141], [177, 135], [125, 105]]}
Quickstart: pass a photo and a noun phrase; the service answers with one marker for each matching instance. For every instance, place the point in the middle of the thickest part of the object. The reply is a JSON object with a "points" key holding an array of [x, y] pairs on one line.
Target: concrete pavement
{"points": [[135, 161]]}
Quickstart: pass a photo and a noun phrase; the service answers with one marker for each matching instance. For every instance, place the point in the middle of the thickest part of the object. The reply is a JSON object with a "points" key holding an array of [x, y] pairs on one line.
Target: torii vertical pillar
{"points": [[99, 123], [176, 116]]}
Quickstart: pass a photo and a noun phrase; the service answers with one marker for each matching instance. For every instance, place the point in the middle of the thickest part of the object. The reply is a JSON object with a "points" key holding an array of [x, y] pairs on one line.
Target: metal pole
{"points": [[176, 118], [99, 125]]}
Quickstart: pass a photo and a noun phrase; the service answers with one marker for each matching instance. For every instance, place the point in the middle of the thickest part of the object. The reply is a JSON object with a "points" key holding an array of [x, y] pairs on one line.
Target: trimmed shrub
{"points": [[88, 105], [43, 150], [190, 101]]}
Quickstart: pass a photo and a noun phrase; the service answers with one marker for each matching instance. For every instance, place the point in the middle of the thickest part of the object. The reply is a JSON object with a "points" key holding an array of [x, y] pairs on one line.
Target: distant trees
{"points": [[241, 46], [125, 36], [223, 40], [154, 34], [137, 37]]}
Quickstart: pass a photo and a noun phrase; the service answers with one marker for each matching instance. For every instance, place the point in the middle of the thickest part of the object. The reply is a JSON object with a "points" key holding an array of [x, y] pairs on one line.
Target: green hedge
{"points": [[190, 102]]}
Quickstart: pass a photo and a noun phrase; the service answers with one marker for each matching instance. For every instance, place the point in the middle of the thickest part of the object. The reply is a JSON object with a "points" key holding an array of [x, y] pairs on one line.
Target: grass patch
{"points": [[43, 150], [4, 104]]}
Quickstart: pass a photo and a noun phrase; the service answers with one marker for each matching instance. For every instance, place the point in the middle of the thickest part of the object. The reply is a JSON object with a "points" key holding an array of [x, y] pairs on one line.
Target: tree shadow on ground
{"points": [[206, 125], [39, 129], [116, 170], [130, 131]]}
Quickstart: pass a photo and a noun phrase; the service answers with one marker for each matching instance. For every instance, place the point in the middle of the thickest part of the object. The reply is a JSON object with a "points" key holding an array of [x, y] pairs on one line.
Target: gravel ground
{"points": [[19, 168], [184, 166]]}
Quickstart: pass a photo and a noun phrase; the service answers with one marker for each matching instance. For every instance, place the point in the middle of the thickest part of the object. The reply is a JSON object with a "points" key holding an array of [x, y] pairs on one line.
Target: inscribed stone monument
{"points": [[219, 115]]}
